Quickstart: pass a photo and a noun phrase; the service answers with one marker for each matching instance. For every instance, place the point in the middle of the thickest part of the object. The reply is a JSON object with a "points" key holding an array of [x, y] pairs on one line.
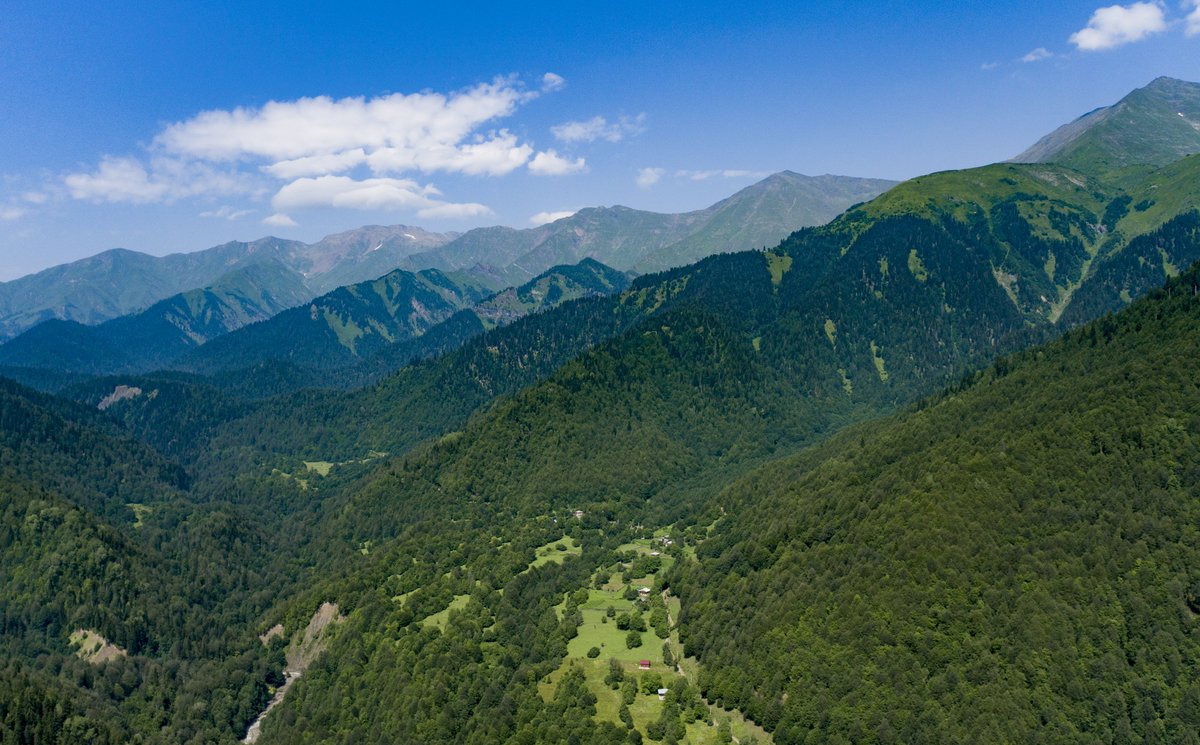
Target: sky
{"points": [[175, 126]]}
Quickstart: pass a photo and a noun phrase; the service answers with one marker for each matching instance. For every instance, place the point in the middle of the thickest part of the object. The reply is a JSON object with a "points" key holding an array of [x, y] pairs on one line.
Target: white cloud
{"points": [[1117, 25], [406, 126], [722, 173], [10, 213], [1193, 20], [550, 163], [279, 220], [315, 146], [989, 65], [371, 194], [317, 165], [167, 179], [116, 180], [35, 197], [648, 177], [599, 128], [543, 218], [343, 191], [225, 212], [1037, 55], [498, 154], [453, 211]]}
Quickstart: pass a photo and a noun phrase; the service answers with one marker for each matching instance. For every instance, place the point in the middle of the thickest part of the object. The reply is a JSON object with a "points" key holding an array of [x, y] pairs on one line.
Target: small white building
{"points": [[662, 694]]}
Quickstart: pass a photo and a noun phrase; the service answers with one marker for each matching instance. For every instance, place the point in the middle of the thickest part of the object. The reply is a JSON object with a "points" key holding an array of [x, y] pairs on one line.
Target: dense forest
{"points": [[1017, 555]]}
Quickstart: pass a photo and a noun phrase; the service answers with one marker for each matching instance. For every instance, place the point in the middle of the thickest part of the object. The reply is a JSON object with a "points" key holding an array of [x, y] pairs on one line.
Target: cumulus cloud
{"points": [[550, 163], [279, 220], [343, 191], [450, 211], [371, 194], [1037, 55], [1192, 27], [357, 152], [599, 128], [167, 179], [10, 213], [1117, 25], [648, 177], [543, 218], [409, 127], [989, 65], [316, 165]]}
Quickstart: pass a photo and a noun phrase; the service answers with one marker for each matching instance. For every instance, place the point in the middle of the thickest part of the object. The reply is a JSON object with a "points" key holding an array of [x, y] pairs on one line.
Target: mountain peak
{"points": [[1153, 125]]}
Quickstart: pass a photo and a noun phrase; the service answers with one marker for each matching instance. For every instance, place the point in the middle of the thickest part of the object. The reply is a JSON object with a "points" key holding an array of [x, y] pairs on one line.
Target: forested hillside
{"points": [[1015, 556], [925, 473]]}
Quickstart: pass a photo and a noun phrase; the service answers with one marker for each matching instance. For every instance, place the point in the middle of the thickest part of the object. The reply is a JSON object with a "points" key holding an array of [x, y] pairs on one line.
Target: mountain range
{"points": [[924, 473], [758, 216], [118, 282], [290, 274]]}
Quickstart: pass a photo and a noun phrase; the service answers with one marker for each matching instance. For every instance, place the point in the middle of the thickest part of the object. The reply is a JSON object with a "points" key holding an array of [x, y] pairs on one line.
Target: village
{"points": [[629, 652]]}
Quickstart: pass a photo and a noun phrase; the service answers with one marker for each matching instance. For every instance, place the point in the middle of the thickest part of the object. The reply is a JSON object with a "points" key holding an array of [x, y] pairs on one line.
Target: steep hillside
{"points": [[645, 429], [349, 322], [75, 452], [426, 313], [1013, 557], [764, 214], [1155, 126]]}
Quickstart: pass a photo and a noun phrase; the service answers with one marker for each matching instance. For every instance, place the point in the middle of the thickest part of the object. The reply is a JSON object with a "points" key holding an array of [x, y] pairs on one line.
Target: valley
{"points": [[833, 460]]}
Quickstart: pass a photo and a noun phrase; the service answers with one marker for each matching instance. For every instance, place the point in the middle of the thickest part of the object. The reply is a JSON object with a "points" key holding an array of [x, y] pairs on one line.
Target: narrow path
{"points": [[671, 623]]}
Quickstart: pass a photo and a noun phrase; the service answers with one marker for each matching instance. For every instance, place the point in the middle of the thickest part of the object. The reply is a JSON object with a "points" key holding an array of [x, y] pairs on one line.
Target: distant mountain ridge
{"points": [[381, 325], [1155, 125], [162, 332], [118, 282], [627, 239]]}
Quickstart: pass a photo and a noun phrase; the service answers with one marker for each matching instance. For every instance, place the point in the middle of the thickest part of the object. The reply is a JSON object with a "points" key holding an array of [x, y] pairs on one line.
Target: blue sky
{"points": [[176, 126]]}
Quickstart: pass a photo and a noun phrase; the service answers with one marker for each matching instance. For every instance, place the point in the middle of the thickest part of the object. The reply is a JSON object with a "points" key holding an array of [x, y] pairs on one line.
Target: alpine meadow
{"points": [[764, 458]]}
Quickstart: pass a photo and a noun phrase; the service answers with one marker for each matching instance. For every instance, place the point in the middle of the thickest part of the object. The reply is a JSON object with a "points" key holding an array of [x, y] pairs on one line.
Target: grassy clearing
{"points": [[320, 467], [440, 618], [91, 647], [556, 551], [140, 513], [600, 632]]}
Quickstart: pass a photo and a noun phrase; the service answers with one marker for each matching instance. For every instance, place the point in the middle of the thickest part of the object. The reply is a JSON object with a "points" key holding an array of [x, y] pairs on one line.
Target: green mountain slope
{"points": [[647, 427], [75, 452], [351, 321], [156, 336], [367, 339], [1011, 559], [98, 536], [1155, 125], [764, 214]]}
